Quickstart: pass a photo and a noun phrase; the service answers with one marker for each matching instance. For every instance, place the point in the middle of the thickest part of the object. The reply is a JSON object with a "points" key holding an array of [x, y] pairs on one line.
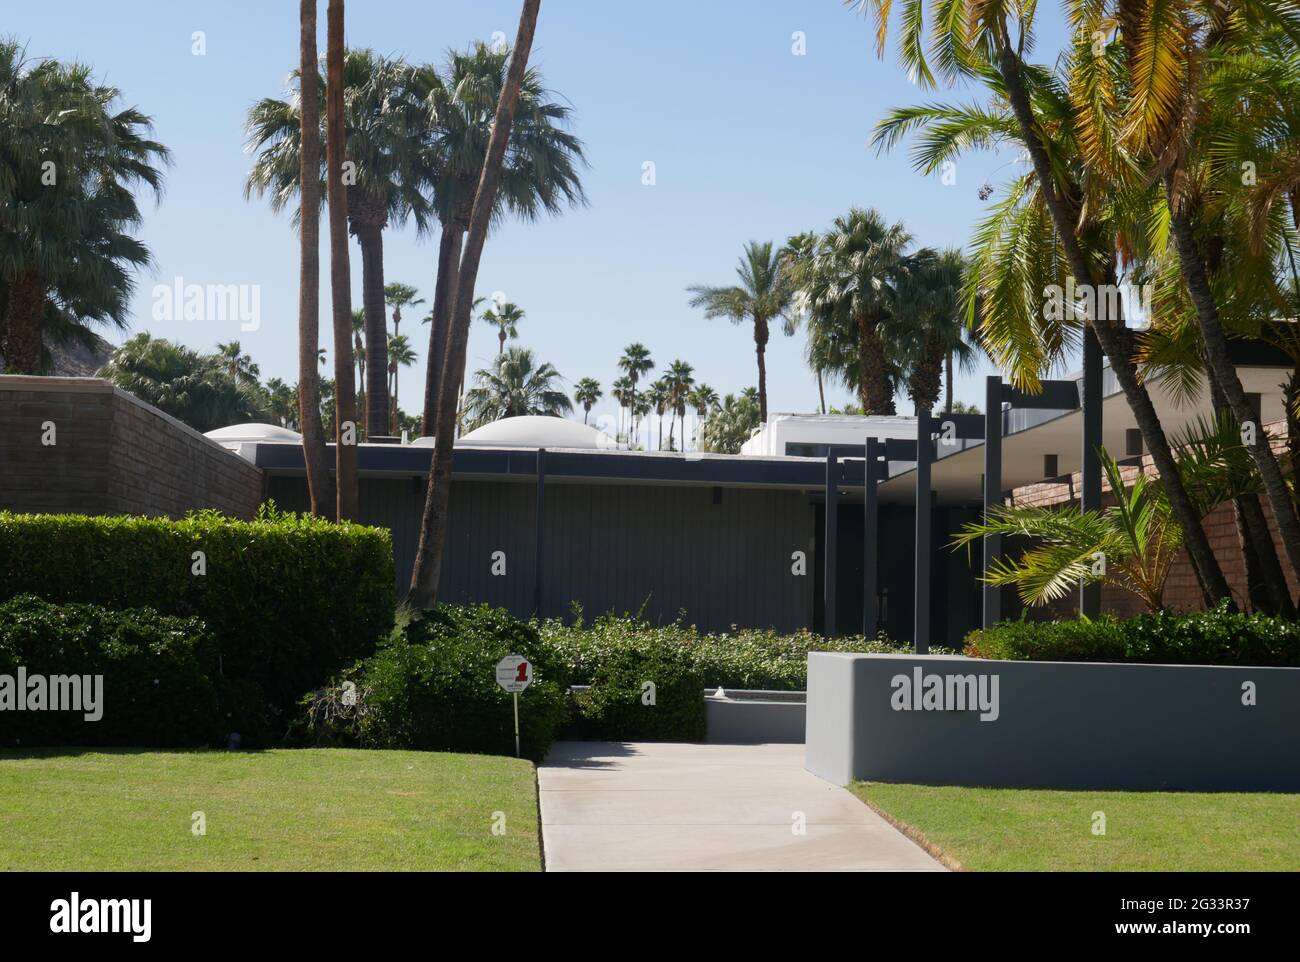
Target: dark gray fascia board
{"points": [[402, 460]]}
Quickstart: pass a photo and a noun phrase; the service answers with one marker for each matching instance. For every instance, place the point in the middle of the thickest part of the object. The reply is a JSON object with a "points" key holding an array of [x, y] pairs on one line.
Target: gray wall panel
{"points": [[609, 546]]}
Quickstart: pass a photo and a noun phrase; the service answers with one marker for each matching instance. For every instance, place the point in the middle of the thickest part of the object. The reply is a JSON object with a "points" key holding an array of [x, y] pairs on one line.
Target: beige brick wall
{"points": [[112, 454], [1182, 592]]}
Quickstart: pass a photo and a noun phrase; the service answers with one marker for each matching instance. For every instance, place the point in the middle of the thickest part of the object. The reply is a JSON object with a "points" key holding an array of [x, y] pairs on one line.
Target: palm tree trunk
{"points": [[760, 348], [1225, 374], [947, 383], [319, 483], [433, 527], [1266, 585], [1292, 400], [875, 390], [821, 391], [345, 392], [24, 313], [453, 235], [371, 240], [501, 343], [1214, 587]]}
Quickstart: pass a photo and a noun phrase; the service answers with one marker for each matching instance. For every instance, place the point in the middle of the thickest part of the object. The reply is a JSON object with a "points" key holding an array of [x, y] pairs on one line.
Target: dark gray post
{"points": [[539, 561], [1090, 495], [921, 619], [828, 543], [870, 540], [992, 490]]}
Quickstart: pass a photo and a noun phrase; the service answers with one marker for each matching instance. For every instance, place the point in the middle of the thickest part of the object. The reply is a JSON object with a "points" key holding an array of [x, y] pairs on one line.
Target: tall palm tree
{"points": [[679, 378], [398, 296], [621, 391], [635, 363], [310, 357], [763, 295], [796, 261], [540, 172], [703, 399], [385, 122], [514, 386], [70, 162], [505, 318], [459, 300], [400, 355], [974, 41], [345, 400], [851, 286], [656, 396], [587, 392], [929, 330], [1167, 59]]}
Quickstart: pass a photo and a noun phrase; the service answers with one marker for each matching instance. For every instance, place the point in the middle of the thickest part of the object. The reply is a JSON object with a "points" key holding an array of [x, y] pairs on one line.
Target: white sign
{"points": [[514, 673]]}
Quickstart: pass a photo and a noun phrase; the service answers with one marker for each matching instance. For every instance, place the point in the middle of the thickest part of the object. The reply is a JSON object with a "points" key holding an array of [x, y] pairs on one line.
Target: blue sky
{"points": [[749, 141]]}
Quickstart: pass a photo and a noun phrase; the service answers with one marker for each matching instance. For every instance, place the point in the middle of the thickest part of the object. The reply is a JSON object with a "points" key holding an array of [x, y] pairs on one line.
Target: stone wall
{"points": [[111, 454]]}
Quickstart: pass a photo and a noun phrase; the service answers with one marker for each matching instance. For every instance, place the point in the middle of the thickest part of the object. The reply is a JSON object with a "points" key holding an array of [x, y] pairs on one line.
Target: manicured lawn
{"points": [[990, 829], [317, 809]]}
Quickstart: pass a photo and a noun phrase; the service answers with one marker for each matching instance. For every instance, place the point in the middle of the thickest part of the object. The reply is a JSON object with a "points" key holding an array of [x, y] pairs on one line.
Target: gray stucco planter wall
{"points": [[1064, 725], [754, 717]]}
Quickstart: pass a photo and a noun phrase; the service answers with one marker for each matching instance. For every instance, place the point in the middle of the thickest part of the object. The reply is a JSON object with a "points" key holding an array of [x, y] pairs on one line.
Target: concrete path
{"points": [[642, 806]]}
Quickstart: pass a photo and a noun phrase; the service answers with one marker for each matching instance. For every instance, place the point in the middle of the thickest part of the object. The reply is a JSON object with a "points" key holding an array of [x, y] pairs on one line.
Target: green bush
{"points": [[645, 692], [289, 599], [1217, 637], [432, 686], [742, 658], [155, 685]]}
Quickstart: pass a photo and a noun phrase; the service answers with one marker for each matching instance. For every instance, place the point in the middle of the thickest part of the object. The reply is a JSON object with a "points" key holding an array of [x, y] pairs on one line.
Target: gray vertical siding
{"points": [[664, 550]]}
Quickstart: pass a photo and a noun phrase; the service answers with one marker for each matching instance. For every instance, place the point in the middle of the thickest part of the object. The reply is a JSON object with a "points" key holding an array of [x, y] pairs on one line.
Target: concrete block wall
{"points": [[113, 454]]}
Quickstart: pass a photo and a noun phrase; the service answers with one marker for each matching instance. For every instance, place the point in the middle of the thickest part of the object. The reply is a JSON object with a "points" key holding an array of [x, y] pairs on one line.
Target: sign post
{"points": [[514, 674]]}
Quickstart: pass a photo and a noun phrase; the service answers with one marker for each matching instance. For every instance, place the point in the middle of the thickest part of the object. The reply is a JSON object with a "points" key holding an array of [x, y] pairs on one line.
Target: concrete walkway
{"points": [[642, 806]]}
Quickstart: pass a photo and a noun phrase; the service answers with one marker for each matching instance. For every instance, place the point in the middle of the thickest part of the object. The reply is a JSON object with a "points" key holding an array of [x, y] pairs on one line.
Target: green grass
{"points": [[284, 810], [993, 829]]}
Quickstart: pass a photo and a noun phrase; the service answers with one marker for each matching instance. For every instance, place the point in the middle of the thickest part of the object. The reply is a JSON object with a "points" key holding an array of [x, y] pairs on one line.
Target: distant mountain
{"points": [[75, 359]]}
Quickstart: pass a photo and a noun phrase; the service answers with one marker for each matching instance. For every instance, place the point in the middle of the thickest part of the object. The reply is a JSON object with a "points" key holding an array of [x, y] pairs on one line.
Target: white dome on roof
{"points": [[253, 431], [533, 431], [422, 443]]}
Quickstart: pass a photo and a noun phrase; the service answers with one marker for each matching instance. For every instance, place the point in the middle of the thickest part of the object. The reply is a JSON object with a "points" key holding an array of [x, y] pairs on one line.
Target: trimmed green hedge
{"points": [[644, 692], [289, 599], [1217, 637], [155, 685], [742, 658]]}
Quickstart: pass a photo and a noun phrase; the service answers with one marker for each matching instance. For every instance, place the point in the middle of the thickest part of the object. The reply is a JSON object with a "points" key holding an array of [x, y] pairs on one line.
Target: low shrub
{"points": [[1216, 637], [431, 686], [289, 599], [645, 692], [741, 658], [156, 689]]}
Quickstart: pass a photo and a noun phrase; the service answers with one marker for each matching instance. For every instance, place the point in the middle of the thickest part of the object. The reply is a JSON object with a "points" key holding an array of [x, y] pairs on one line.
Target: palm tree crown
{"points": [[514, 386], [764, 294]]}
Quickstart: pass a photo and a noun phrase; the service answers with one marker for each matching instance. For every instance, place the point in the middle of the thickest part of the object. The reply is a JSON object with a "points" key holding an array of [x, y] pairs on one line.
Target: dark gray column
{"points": [[1090, 495], [921, 618], [870, 540], [992, 490], [828, 543], [539, 561]]}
